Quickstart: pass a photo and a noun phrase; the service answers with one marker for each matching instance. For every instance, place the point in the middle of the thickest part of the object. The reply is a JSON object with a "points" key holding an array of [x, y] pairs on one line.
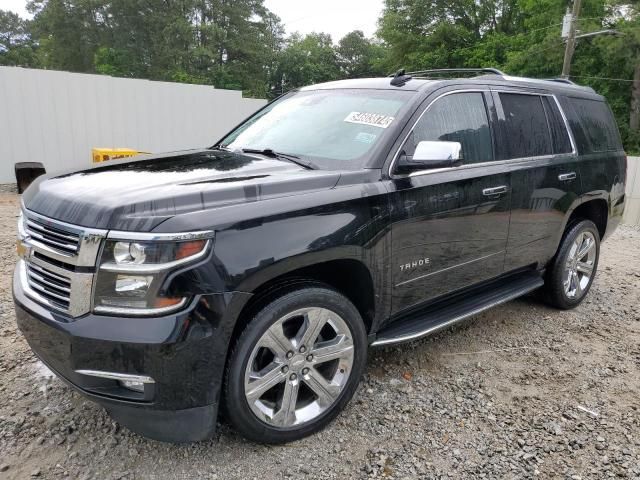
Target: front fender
{"points": [[260, 242], [261, 276]]}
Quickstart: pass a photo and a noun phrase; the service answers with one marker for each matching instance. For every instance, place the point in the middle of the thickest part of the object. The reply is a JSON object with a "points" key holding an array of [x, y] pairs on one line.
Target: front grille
{"points": [[55, 287], [53, 237], [58, 262]]}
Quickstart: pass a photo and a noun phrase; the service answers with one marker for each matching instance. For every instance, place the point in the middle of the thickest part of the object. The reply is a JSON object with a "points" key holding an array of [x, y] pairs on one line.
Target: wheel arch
{"points": [[347, 274], [594, 207]]}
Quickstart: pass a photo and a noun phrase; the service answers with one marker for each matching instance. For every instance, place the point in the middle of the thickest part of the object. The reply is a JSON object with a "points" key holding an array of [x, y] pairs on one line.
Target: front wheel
{"points": [[295, 366], [574, 267]]}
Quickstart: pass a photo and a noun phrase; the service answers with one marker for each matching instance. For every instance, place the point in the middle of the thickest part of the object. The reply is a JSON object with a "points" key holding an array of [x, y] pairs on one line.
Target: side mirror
{"points": [[432, 154]]}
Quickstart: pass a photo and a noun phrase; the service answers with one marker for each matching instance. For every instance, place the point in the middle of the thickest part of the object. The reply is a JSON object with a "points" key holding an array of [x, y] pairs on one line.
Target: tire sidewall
{"points": [[239, 411], [557, 274]]}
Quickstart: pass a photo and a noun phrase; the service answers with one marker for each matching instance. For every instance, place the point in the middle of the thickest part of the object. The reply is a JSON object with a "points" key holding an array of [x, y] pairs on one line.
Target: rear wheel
{"points": [[295, 366], [574, 267]]}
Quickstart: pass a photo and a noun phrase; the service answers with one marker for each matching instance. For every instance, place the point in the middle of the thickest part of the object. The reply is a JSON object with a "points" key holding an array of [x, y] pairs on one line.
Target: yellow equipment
{"points": [[104, 154]]}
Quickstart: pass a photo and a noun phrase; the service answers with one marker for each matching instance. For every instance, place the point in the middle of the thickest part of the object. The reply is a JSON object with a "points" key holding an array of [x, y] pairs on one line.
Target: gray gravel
{"points": [[521, 391]]}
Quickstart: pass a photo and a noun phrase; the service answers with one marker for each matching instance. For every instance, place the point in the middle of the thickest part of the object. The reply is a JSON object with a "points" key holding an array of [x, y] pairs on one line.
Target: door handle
{"points": [[490, 192], [565, 177]]}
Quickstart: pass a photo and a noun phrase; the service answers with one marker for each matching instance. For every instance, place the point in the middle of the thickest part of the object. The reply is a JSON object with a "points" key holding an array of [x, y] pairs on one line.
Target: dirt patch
{"points": [[521, 391]]}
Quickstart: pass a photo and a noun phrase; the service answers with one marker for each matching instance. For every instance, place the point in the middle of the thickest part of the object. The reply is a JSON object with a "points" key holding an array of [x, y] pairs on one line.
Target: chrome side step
{"points": [[444, 314]]}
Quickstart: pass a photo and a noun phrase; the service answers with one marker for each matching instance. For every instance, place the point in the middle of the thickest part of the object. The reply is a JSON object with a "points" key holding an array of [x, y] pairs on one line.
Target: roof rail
{"points": [[560, 80], [493, 71], [565, 81], [401, 77]]}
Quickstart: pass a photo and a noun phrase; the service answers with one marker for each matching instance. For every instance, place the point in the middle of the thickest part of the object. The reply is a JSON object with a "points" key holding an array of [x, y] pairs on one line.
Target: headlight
{"points": [[149, 256], [131, 275]]}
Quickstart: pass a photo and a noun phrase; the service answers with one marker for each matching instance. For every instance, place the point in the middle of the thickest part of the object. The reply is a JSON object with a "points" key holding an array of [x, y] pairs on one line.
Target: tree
{"points": [[68, 32], [422, 34], [306, 60], [521, 37], [147, 39], [16, 45], [229, 44], [357, 56], [236, 44]]}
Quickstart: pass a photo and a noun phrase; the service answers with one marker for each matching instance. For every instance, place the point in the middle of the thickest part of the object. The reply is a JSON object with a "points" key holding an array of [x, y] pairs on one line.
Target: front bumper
{"points": [[183, 353]]}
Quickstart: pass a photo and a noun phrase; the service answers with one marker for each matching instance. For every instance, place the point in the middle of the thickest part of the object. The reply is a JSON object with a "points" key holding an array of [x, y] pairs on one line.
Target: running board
{"points": [[442, 315]]}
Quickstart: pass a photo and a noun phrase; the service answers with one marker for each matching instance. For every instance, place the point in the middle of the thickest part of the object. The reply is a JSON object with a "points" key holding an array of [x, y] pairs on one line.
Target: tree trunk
{"points": [[634, 115]]}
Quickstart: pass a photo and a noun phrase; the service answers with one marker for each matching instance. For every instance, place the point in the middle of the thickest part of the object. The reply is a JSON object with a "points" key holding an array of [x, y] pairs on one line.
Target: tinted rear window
{"points": [[527, 132], [598, 125], [559, 134]]}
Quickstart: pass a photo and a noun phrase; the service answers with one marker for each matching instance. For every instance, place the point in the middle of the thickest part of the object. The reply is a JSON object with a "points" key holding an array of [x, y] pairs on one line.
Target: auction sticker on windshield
{"points": [[373, 119]]}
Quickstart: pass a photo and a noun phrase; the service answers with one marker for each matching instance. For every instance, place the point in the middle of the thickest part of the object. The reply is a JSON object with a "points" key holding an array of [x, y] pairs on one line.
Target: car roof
{"points": [[380, 83], [418, 83]]}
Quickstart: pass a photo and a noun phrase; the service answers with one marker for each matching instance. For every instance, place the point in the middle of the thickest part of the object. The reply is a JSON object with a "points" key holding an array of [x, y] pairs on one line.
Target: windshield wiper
{"points": [[268, 152]]}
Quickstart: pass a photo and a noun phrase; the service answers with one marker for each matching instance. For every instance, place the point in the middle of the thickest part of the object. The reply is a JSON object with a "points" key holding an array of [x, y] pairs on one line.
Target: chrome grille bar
{"points": [[47, 281], [60, 289], [65, 242], [53, 286], [55, 276], [70, 244], [64, 301], [53, 232]]}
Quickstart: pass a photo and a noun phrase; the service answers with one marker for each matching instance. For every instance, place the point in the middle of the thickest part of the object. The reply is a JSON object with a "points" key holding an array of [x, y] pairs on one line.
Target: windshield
{"points": [[330, 128]]}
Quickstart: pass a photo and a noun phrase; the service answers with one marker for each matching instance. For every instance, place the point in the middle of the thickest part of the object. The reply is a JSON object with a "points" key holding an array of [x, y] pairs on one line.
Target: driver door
{"points": [[450, 224]]}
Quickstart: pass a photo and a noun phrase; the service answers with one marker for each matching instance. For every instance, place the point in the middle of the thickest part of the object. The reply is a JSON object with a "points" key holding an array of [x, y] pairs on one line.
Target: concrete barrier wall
{"points": [[632, 194], [57, 117]]}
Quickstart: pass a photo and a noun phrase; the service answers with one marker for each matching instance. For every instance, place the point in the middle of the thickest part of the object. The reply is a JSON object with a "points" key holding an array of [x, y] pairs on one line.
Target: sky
{"points": [[17, 6], [336, 17]]}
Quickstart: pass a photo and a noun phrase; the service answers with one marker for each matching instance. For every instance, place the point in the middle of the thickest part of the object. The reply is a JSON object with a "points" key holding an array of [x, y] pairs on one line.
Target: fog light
{"points": [[133, 385]]}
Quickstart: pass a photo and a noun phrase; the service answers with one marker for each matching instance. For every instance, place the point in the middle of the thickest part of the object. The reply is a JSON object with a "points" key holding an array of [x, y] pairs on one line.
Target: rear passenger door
{"points": [[450, 225], [545, 174]]}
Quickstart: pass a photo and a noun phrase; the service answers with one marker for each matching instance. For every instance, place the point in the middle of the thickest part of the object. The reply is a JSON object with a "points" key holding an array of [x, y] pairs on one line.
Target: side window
{"points": [[598, 124], [459, 117], [526, 129], [559, 134]]}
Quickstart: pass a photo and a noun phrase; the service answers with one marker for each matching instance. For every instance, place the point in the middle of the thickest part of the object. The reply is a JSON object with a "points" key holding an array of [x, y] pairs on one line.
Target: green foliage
{"points": [[16, 46], [358, 57], [68, 32], [306, 60], [521, 37], [229, 44]]}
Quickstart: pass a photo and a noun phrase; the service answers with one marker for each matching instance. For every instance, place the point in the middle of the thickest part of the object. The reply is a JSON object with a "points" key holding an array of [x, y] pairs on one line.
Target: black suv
{"points": [[255, 274]]}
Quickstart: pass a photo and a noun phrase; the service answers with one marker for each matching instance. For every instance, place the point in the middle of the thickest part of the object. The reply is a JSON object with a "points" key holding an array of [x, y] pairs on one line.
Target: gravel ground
{"points": [[521, 391]]}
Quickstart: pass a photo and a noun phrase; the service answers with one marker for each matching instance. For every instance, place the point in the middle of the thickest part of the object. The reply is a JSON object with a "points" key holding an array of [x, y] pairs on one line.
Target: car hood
{"points": [[139, 194]]}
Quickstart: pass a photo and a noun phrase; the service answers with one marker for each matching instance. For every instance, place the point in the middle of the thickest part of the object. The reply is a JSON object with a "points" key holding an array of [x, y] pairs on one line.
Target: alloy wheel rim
{"points": [[299, 367], [579, 265]]}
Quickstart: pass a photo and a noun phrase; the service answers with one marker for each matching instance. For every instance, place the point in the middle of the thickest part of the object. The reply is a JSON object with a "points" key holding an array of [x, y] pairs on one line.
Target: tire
{"points": [[278, 356], [567, 280]]}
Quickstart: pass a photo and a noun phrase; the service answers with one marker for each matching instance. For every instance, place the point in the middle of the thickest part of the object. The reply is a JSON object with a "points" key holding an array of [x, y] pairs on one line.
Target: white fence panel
{"points": [[57, 117], [632, 194]]}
